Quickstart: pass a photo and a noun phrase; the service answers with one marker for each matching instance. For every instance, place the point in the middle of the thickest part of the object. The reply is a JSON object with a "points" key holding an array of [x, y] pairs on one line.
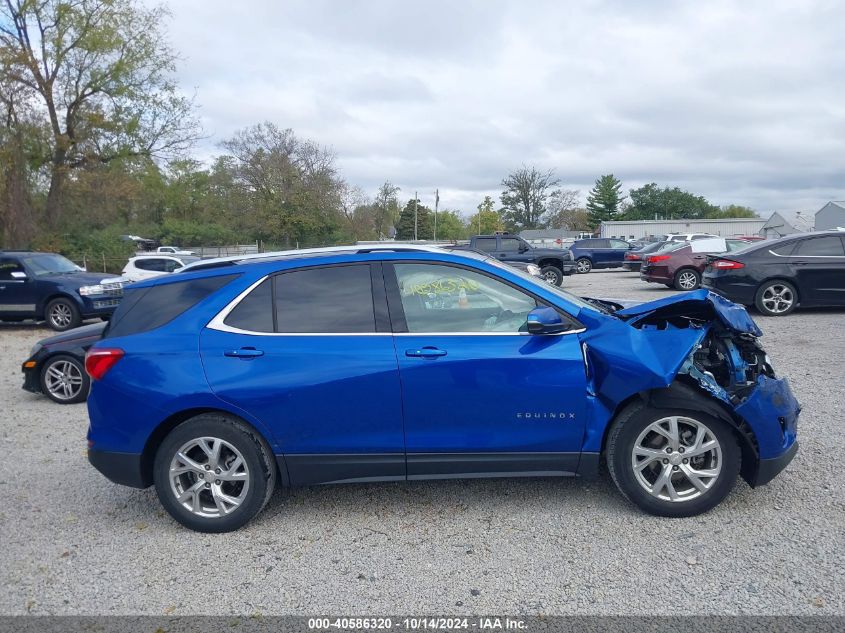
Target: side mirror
{"points": [[16, 274], [523, 247], [546, 321]]}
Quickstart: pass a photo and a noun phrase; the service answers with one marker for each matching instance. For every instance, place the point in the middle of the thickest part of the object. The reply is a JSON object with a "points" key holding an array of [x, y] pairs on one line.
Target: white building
{"points": [[638, 229], [831, 216]]}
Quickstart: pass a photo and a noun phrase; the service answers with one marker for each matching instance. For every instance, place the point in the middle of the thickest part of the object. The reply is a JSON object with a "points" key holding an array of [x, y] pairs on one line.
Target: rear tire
{"points": [[642, 452], [776, 298], [687, 279], [583, 265], [213, 473], [552, 275]]}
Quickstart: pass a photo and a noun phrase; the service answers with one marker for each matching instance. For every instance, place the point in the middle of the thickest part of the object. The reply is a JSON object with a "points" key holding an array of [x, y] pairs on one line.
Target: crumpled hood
{"points": [[697, 303]]}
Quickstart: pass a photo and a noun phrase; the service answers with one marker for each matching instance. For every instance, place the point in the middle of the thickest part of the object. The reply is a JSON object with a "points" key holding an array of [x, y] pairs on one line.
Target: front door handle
{"points": [[425, 352], [244, 352]]}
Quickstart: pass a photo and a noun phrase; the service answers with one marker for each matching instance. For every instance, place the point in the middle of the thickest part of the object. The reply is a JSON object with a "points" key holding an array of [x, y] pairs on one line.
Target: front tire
{"points": [[64, 380], [62, 314], [672, 462], [552, 275], [583, 265], [776, 298], [213, 473], [687, 279]]}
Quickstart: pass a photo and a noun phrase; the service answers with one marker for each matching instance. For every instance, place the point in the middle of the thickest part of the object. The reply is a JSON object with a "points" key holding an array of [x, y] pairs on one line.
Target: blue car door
{"points": [[481, 397], [17, 289], [309, 353]]}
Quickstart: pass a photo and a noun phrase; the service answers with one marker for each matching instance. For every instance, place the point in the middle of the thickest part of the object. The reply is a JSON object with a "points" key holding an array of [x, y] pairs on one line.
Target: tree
{"points": [[604, 199], [650, 202], [424, 222], [487, 220], [562, 207], [733, 211], [450, 225], [357, 212], [100, 71], [525, 195], [290, 186], [386, 207]]}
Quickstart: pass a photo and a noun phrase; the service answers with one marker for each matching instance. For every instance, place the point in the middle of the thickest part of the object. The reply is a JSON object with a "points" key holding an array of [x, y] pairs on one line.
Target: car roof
{"points": [[219, 262]]}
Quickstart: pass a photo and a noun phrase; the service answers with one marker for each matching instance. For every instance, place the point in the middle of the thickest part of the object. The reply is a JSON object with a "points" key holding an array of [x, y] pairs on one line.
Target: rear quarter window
{"points": [[145, 309]]}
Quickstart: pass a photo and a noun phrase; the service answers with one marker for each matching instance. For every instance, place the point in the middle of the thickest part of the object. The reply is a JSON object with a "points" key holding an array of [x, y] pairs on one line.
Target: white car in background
{"points": [[148, 266], [172, 250]]}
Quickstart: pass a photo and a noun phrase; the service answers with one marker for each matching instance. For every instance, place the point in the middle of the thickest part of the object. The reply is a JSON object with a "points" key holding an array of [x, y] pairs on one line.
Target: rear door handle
{"points": [[425, 352], [244, 352]]}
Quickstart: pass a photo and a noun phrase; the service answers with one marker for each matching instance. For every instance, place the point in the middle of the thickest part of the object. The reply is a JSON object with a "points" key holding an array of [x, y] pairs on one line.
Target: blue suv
{"points": [[368, 364], [599, 252], [48, 286]]}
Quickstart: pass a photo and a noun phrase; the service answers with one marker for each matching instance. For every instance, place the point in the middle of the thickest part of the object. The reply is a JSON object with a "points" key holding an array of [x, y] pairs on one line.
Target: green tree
{"points": [[733, 211], [487, 220], [101, 74], [604, 199], [386, 208], [450, 225], [650, 202], [424, 222], [525, 195]]}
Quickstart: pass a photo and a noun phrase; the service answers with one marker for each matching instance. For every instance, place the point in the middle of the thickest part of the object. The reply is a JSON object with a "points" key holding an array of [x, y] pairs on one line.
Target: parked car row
{"points": [[775, 276]]}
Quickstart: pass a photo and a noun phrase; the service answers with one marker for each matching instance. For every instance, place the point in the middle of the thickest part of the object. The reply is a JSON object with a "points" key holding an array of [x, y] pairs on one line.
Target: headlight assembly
{"points": [[87, 291]]}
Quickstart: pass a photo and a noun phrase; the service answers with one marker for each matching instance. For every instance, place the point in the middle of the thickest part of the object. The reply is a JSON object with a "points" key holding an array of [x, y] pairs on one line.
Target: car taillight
{"points": [[727, 264], [631, 257], [99, 361], [657, 258]]}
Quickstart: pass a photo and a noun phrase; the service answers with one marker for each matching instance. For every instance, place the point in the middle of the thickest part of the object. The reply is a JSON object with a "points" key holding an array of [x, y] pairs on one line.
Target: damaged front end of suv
{"points": [[696, 351]]}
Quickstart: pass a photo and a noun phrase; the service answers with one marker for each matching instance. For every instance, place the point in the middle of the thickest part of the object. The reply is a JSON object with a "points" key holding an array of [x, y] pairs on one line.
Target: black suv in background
{"points": [[554, 263], [50, 287], [807, 269]]}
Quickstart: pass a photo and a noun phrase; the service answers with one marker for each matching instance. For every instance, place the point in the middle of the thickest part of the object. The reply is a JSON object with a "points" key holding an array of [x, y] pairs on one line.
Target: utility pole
{"points": [[436, 204], [415, 216]]}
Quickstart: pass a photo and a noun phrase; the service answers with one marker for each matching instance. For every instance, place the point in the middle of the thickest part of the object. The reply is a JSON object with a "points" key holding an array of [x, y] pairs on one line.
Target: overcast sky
{"points": [[742, 102]]}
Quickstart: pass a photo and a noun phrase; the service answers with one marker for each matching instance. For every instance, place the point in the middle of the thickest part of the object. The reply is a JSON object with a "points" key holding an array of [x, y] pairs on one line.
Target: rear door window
{"points": [[486, 244], [254, 313], [828, 246], [326, 300]]}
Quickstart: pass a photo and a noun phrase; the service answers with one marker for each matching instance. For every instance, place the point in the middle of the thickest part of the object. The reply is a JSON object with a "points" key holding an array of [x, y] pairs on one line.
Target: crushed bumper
{"points": [[768, 469], [31, 381]]}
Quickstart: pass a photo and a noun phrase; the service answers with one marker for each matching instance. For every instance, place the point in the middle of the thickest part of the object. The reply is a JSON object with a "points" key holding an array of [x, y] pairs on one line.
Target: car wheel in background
{"points": [[214, 473], [776, 298], [63, 380], [583, 265], [61, 314], [672, 462], [687, 279], [552, 275]]}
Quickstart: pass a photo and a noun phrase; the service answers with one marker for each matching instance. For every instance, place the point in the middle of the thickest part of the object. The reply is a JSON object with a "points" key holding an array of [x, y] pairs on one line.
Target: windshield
{"points": [[49, 264]]}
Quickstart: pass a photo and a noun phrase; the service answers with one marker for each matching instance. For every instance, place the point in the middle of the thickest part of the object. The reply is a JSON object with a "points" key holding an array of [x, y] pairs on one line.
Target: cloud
{"points": [[740, 102]]}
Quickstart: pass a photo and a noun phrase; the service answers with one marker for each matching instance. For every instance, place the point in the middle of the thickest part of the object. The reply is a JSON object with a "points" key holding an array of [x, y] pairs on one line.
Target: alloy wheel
{"points": [[777, 298], [209, 477], [687, 280], [550, 278], [61, 315], [676, 459], [583, 266], [63, 380]]}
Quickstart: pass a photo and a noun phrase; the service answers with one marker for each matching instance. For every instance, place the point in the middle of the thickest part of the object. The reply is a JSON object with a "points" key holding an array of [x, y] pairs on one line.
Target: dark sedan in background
{"points": [[680, 266], [806, 270], [56, 365], [634, 259]]}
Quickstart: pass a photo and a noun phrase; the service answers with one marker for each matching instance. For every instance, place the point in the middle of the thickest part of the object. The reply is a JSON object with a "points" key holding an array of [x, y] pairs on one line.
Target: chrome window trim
{"points": [[807, 256], [217, 323]]}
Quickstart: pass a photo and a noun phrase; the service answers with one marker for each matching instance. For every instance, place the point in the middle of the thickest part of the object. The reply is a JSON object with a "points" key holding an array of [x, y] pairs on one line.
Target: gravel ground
{"points": [[74, 543]]}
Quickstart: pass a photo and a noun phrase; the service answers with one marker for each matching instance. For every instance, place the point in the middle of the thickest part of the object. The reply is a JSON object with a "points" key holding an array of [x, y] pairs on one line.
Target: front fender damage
{"points": [[697, 341]]}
